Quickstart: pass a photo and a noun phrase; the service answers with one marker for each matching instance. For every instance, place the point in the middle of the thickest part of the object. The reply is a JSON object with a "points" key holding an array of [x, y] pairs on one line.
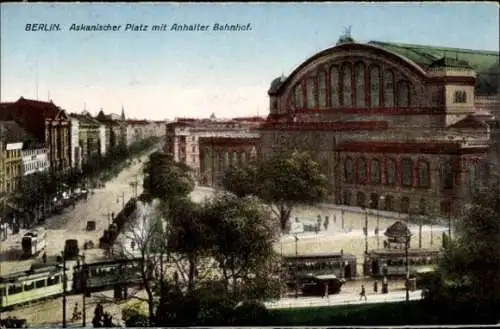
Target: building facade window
{"points": [[360, 85], [388, 203], [403, 94], [405, 205], [460, 97], [311, 93], [348, 170], [347, 198], [299, 96], [346, 85], [388, 88], [423, 174], [390, 172], [374, 87], [334, 86], [406, 172], [422, 206], [361, 170], [360, 199], [446, 175], [322, 89], [375, 170]]}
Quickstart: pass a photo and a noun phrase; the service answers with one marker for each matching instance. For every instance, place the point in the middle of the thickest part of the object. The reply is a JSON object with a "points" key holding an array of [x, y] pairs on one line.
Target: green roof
{"points": [[484, 63]]}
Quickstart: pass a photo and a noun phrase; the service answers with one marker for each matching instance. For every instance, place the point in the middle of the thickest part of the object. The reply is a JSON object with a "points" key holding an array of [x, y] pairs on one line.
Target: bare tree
{"points": [[144, 239]]}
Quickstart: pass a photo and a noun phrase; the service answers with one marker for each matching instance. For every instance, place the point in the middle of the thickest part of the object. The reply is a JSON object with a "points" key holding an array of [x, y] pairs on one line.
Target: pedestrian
{"points": [[375, 286], [44, 257], [362, 293], [326, 290]]}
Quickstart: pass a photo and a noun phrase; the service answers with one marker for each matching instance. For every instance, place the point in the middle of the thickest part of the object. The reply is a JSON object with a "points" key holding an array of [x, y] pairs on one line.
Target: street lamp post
{"points": [[122, 196], [65, 287], [83, 286], [296, 266], [366, 230], [407, 281], [382, 198]]}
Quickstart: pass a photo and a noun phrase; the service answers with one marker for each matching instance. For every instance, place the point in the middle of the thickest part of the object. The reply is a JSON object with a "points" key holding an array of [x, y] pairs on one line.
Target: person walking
{"points": [[362, 294]]}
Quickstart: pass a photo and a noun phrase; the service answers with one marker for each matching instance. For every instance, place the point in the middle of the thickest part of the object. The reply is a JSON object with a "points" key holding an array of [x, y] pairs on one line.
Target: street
{"points": [[71, 224]]}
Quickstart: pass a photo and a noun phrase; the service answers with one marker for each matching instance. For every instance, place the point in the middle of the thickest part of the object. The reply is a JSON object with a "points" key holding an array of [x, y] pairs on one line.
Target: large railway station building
{"points": [[396, 127]]}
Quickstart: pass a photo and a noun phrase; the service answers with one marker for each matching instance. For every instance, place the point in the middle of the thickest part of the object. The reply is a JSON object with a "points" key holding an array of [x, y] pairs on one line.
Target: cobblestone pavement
{"points": [[71, 224], [346, 232]]}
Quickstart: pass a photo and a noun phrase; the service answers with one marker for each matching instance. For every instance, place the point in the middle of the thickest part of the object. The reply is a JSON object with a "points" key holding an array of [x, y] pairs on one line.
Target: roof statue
{"points": [[346, 36]]}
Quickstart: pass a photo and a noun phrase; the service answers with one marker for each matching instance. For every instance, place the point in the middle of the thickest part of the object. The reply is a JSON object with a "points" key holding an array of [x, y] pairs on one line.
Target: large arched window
{"points": [[346, 85], [376, 176], [299, 96], [406, 172], [374, 87], [348, 170], [423, 173], [216, 161], [334, 86], [403, 94], [360, 85], [226, 159], [322, 89], [388, 88], [390, 172], [447, 175], [207, 160], [234, 158], [361, 170], [311, 94]]}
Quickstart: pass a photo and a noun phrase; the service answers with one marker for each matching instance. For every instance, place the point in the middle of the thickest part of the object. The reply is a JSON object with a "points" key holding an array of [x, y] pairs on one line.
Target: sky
{"points": [[167, 74]]}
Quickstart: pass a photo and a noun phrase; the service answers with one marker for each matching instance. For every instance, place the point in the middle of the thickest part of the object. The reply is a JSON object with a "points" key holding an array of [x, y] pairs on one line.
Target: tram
{"points": [[391, 262], [91, 277], [28, 286], [34, 242], [340, 264]]}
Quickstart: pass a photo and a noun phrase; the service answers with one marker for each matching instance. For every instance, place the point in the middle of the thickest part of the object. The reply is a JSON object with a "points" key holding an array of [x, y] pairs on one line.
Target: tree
{"points": [[471, 261], [145, 237], [242, 235], [283, 181], [166, 179]]}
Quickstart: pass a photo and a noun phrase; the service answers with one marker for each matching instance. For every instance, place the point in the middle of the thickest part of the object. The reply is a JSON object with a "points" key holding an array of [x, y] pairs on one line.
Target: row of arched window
{"points": [[353, 86], [412, 173], [220, 160], [387, 203]]}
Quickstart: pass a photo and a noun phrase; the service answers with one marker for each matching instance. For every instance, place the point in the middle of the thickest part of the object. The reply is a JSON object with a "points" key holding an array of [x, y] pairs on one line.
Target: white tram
{"points": [[29, 286], [392, 262]]}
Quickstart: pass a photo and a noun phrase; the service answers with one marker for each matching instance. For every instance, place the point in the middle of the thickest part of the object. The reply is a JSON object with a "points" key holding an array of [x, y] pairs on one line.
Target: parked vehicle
{"points": [[71, 249]]}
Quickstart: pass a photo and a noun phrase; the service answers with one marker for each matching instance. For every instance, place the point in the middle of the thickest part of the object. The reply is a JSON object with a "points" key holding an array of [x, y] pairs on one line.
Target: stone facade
{"points": [[35, 161], [218, 154], [183, 137], [390, 134], [89, 136], [49, 124]]}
